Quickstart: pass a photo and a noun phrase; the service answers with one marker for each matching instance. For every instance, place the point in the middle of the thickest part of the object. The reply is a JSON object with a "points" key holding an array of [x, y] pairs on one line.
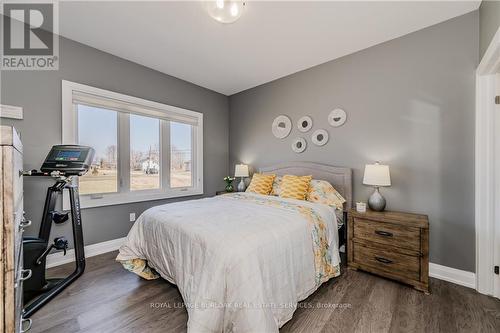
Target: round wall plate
{"points": [[282, 125], [299, 145], [337, 117], [304, 124], [320, 137]]}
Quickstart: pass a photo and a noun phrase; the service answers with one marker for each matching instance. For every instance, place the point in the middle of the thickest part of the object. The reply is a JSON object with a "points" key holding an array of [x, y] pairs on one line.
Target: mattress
{"points": [[241, 261]]}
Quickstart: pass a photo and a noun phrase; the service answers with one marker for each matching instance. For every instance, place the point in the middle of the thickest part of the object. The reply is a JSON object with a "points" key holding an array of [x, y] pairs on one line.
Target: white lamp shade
{"points": [[377, 175], [241, 170]]}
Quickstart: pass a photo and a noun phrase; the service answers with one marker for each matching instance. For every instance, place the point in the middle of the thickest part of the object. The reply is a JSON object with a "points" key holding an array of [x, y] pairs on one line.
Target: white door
{"points": [[496, 248]]}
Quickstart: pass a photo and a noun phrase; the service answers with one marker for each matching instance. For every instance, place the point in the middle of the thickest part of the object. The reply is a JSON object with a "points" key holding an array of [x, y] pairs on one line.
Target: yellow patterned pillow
{"points": [[321, 191], [261, 183], [294, 187]]}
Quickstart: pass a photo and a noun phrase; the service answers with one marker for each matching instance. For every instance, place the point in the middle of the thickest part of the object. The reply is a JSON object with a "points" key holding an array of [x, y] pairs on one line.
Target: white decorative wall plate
{"points": [[337, 117], [320, 137], [304, 124], [299, 145], [282, 125]]}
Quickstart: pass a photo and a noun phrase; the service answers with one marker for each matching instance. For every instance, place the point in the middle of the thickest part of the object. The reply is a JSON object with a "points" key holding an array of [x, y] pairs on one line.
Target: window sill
{"points": [[120, 199]]}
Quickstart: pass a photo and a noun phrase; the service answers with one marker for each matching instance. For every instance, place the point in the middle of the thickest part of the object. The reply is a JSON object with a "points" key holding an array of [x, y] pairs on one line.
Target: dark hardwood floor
{"points": [[109, 299]]}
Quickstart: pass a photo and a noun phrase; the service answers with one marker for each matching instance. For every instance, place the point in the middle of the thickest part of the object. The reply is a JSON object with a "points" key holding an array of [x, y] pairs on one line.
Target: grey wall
{"points": [[39, 93], [489, 14], [410, 104]]}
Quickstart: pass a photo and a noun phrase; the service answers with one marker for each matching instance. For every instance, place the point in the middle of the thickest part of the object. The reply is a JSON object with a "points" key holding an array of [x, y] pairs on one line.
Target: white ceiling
{"points": [[270, 40]]}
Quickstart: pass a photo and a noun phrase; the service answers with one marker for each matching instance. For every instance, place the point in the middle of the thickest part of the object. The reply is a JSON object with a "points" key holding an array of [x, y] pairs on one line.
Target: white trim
{"points": [[126, 103], [10, 111], [56, 259], [132, 104], [496, 206], [111, 199], [463, 278], [485, 167], [453, 275], [490, 63]]}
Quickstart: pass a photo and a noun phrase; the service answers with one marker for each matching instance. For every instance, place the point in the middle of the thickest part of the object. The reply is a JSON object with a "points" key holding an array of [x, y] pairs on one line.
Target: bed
{"points": [[242, 261]]}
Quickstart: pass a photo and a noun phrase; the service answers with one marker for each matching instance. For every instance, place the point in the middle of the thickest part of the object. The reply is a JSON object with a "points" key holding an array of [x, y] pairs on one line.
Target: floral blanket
{"points": [[322, 257]]}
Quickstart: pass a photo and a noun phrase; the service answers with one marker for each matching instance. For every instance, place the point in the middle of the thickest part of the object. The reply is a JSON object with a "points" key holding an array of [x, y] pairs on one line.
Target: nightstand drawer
{"points": [[402, 265], [388, 234]]}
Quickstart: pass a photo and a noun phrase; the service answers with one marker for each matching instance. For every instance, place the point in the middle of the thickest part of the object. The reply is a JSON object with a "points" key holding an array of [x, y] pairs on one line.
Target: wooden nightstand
{"points": [[391, 244]]}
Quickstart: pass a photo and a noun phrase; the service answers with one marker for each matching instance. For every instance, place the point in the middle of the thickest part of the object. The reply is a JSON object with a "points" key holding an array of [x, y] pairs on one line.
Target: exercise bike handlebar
{"points": [[34, 172], [53, 174]]}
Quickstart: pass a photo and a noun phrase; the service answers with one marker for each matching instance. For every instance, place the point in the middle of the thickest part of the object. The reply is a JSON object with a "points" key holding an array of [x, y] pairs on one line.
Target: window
{"points": [[144, 153], [97, 129], [180, 154], [144, 150]]}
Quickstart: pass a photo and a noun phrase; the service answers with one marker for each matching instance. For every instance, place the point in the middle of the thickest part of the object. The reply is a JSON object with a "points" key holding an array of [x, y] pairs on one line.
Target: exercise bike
{"points": [[63, 163]]}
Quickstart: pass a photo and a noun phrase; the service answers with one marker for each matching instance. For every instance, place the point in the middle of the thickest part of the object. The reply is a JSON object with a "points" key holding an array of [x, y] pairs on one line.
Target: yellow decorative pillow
{"points": [[294, 187], [321, 191], [261, 183]]}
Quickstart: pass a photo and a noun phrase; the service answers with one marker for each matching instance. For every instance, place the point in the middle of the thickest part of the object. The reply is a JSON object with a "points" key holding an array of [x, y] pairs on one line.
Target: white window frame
{"points": [[151, 109]]}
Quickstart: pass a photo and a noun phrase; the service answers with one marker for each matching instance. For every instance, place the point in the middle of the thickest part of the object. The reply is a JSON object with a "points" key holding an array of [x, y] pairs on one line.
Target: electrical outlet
{"points": [[132, 217]]}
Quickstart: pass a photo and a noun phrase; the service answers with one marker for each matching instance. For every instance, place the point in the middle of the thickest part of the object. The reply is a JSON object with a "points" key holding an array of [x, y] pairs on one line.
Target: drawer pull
{"points": [[25, 328], [383, 260], [383, 233], [24, 224], [25, 274]]}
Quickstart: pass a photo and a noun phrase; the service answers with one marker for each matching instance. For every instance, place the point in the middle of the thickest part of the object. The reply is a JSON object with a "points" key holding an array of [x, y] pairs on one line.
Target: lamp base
{"points": [[376, 201], [241, 185]]}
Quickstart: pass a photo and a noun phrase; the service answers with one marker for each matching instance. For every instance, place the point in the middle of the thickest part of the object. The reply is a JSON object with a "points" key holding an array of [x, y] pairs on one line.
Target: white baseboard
{"points": [[463, 278], [453, 275], [56, 259]]}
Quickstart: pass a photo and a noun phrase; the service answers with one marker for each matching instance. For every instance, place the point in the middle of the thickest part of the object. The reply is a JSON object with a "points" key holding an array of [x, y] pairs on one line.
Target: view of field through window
{"points": [[144, 153], [180, 155], [98, 128]]}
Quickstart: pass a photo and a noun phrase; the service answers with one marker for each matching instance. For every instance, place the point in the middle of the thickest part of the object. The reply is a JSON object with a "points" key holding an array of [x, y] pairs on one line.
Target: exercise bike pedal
{"points": [[61, 243]]}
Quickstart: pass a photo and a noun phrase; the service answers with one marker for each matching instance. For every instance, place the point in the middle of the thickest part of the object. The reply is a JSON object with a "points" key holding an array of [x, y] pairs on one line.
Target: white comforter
{"points": [[239, 265]]}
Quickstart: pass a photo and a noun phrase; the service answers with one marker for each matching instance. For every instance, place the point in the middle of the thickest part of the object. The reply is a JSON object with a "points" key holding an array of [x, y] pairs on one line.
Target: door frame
{"points": [[487, 184]]}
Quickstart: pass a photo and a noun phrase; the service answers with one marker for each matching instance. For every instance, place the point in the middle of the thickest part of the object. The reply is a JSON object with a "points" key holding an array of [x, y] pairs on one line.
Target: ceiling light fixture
{"points": [[225, 11]]}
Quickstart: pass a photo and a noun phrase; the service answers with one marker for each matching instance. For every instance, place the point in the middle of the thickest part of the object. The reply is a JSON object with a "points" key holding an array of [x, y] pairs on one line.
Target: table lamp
{"points": [[241, 170], [377, 175]]}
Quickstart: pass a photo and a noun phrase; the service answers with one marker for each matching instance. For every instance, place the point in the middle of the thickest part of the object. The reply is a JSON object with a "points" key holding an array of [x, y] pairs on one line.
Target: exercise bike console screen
{"points": [[69, 159], [68, 155]]}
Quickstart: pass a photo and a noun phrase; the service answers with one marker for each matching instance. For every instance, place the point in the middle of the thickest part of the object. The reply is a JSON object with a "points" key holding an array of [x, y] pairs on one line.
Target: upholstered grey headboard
{"points": [[340, 178]]}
